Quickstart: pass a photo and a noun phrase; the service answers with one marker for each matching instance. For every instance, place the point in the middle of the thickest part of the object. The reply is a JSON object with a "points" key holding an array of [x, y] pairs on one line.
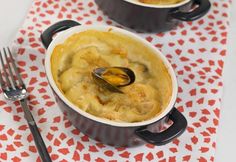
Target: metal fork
{"points": [[14, 89]]}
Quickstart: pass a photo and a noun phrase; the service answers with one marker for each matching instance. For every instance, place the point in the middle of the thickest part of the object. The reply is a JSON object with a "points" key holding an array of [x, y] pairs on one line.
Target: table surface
{"points": [[12, 14]]}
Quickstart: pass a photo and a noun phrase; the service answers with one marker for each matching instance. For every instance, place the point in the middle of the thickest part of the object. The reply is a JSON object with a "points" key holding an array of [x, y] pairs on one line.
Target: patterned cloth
{"points": [[196, 51]]}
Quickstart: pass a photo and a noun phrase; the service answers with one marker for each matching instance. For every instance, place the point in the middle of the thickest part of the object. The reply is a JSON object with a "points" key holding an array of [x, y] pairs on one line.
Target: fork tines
{"points": [[9, 71]]}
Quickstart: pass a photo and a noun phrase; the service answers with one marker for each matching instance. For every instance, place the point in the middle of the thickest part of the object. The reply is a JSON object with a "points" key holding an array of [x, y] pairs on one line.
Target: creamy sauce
{"points": [[73, 61]]}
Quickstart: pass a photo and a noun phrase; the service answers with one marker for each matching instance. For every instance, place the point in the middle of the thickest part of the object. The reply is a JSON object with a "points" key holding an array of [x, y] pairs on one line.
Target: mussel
{"points": [[112, 78]]}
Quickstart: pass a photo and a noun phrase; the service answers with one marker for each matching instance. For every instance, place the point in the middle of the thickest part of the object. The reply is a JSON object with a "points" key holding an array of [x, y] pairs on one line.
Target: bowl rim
{"points": [[136, 2], [62, 36]]}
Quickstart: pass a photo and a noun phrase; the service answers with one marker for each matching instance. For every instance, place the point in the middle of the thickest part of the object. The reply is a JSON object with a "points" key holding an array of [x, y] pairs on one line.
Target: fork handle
{"points": [[42, 149]]}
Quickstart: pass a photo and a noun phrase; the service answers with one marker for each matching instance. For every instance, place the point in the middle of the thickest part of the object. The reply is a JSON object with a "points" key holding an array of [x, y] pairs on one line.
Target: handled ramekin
{"points": [[106, 131]]}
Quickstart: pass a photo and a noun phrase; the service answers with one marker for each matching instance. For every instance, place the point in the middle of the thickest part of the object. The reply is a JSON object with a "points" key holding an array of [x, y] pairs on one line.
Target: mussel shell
{"points": [[98, 78], [104, 84]]}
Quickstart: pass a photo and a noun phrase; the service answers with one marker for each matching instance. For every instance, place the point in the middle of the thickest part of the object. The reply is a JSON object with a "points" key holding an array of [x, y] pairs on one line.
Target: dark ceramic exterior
{"points": [[117, 135], [152, 19]]}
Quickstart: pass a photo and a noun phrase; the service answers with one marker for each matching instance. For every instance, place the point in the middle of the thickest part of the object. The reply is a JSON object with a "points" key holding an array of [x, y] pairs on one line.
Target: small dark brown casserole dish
{"points": [[153, 17], [80, 41]]}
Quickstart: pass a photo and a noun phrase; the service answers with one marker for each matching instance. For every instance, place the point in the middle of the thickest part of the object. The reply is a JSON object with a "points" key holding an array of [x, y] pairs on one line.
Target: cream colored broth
{"points": [[73, 61]]}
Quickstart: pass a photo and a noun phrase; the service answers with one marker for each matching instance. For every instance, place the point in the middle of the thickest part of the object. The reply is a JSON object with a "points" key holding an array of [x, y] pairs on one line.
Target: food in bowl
{"points": [[73, 61], [111, 132], [160, 2]]}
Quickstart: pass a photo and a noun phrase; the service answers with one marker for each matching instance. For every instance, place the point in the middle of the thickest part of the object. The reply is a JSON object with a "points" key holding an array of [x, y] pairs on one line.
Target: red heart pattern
{"points": [[196, 50]]}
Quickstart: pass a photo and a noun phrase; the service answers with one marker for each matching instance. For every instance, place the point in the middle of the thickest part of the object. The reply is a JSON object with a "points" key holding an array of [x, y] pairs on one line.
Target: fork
{"points": [[15, 90]]}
